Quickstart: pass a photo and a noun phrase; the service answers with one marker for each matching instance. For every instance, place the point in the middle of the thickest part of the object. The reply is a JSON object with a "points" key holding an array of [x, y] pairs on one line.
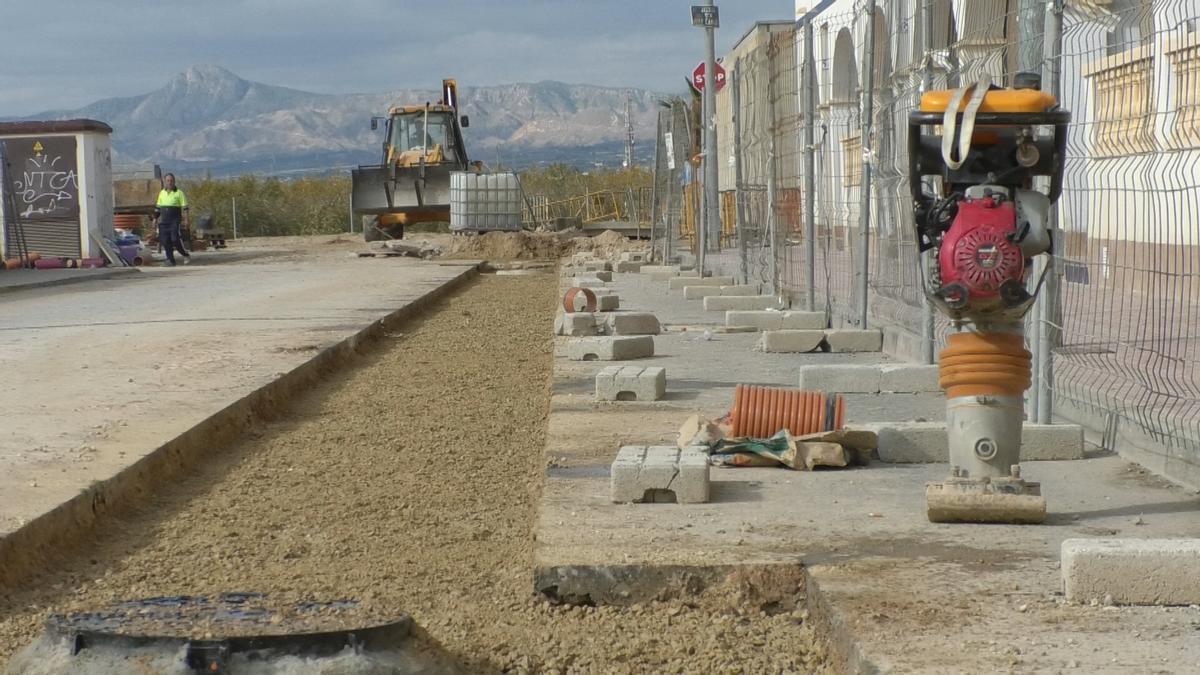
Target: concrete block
{"points": [[634, 256], [841, 341], [791, 341], [1047, 442], [610, 348], [841, 378], [660, 474], [750, 289], [631, 383], [684, 282], [597, 266], [776, 320], [592, 274], [589, 281], [699, 292], [627, 266], [632, 323], [668, 270], [575, 324], [1132, 571], [608, 302], [913, 443], [926, 442], [721, 303], [908, 378]]}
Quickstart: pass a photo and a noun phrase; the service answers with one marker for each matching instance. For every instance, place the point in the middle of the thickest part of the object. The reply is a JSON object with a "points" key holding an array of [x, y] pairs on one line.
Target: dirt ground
{"points": [[410, 482]]}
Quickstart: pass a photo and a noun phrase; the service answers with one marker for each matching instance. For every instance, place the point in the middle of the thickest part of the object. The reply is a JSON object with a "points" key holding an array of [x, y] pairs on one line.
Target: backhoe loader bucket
{"points": [[375, 193]]}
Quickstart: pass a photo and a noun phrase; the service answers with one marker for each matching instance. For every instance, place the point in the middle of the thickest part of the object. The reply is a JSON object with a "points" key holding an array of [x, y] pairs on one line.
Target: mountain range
{"points": [[208, 118]]}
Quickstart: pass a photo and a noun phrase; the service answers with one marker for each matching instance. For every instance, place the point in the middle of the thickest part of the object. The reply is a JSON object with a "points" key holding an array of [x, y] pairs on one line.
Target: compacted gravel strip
{"points": [[411, 482]]}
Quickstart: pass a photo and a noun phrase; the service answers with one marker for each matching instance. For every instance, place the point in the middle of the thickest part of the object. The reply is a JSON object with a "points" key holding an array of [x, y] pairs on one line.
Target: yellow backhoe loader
{"points": [[422, 145]]}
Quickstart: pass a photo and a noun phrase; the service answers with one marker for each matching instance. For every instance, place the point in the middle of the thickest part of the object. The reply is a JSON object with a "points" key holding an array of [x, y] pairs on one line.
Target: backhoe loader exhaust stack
{"points": [[977, 159]]}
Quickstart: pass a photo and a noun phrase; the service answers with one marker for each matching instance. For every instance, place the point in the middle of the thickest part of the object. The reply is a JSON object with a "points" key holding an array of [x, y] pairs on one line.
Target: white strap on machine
{"points": [[950, 120]]}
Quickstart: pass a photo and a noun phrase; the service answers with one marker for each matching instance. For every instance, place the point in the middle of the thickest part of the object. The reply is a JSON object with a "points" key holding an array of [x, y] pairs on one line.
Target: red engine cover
{"points": [[976, 250]]}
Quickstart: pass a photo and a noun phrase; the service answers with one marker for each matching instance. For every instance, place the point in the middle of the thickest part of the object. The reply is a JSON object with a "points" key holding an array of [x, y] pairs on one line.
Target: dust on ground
{"points": [[411, 483]]}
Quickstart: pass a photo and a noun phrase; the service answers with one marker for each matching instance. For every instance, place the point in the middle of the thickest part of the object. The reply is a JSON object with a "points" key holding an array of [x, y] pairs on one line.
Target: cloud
{"points": [[81, 50]]}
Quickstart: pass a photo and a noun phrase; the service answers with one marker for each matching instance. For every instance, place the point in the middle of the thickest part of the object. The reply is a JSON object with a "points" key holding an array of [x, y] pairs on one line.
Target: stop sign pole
{"points": [[707, 16]]}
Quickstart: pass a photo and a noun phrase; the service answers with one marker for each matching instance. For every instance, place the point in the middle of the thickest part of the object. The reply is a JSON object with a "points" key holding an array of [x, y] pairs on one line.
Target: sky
{"points": [[69, 53]]}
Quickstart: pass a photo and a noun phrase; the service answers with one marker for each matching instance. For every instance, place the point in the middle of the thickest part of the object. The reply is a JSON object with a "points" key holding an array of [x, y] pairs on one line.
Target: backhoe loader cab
{"points": [[422, 145]]}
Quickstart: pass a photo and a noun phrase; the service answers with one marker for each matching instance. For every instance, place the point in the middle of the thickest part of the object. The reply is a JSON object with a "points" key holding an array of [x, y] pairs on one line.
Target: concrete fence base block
{"points": [[841, 378], [700, 292], [669, 270], [776, 320], [631, 383], [599, 275], [586, 282], [627, 266], [873, 378], [575, 324], [634, 256], [722, 303], [1132, 571], [751, 289], [632, 323], [684, 282], [609, 302], [926, 442], [652, 474], [791, 341], [908, 378], [846, 341], [610, 348]]}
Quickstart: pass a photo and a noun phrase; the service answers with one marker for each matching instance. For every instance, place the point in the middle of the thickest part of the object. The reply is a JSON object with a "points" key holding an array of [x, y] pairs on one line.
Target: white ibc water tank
{"points": [[483, 202]]}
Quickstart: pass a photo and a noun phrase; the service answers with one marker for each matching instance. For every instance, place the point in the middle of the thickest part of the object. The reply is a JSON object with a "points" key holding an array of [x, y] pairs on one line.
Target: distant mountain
{"points": [[208, 117]]}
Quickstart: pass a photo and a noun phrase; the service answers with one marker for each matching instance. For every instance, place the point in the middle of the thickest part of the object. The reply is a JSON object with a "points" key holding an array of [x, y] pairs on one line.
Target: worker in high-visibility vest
{"points": [[171, 210]]}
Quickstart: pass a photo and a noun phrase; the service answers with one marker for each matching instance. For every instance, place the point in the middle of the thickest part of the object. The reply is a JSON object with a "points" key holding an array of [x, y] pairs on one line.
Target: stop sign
{"points": [[698, 77]]}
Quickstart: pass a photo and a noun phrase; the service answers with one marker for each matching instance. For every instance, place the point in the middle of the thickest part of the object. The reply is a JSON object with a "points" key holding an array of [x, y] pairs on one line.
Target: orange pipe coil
{"points": [[984, 364], [761, 412]]}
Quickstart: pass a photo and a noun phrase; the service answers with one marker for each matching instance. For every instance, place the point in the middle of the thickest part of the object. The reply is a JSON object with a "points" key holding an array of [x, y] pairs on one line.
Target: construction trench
{"points": [[409, 481]]}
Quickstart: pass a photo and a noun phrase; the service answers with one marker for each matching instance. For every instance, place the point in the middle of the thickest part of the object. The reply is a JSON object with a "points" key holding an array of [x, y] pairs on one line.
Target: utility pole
{"points": [[707, 15], [629, 130]]}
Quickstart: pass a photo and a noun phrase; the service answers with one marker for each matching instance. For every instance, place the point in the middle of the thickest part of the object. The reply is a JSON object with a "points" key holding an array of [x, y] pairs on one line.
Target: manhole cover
{"points": [[216, 634]]}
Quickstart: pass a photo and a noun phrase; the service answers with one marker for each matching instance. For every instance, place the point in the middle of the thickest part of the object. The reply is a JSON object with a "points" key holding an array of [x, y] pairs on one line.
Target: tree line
{"points": [[270, 206]]}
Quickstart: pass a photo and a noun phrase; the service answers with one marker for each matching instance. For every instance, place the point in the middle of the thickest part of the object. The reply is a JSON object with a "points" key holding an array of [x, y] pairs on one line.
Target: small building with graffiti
{"points": [[56, 195]]}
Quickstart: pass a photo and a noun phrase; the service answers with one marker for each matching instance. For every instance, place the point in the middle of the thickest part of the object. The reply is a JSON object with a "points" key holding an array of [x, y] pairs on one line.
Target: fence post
{"points": [[864, 214], [234, 200], [668, 235], [810, 168], [738, 196], [1049, 315], [654, 188], [927, 326]]}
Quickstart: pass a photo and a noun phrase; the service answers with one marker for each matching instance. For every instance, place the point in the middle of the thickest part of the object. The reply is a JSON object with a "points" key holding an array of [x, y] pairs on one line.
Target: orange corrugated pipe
{"points": [[761, 412], [984, 364]]}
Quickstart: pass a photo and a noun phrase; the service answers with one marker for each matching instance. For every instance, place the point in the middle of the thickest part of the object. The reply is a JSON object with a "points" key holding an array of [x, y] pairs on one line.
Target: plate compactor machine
{"points": [[985, 165]]}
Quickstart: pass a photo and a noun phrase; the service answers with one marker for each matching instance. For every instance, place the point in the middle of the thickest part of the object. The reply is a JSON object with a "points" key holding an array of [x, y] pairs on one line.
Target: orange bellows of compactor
{"points": [[985, 167]]}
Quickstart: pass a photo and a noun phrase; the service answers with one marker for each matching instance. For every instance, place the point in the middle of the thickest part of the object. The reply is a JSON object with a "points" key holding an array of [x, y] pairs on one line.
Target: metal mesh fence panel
{"points": [[1129, 253]]}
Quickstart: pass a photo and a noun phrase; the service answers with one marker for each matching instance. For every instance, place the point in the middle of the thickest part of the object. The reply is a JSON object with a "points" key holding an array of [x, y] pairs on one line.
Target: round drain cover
{"points": [[208, 634]]}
